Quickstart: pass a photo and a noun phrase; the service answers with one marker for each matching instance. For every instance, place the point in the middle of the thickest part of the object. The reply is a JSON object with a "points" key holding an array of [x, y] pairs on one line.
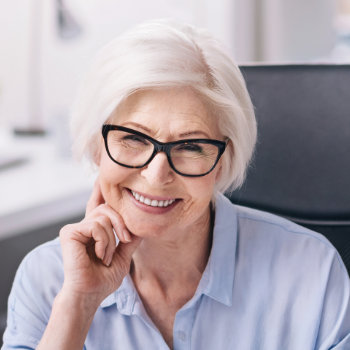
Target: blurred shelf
{"points": [[44, 187]]}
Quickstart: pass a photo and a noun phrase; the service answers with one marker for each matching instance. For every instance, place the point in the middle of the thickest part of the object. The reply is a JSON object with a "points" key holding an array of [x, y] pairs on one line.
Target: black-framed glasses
{"points": [[133, 149]]}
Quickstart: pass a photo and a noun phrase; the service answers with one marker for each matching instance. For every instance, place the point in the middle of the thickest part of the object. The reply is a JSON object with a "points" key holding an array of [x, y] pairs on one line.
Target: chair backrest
{"points": [[301, 168]]}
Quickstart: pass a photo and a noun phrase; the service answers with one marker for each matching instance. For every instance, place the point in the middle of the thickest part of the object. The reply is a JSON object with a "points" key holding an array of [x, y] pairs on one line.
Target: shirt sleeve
{"points": [[36, 284], [334, 329]]}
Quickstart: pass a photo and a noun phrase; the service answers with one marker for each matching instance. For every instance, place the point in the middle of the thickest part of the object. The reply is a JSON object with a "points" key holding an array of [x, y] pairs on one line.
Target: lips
{"points": [[152, 202]]}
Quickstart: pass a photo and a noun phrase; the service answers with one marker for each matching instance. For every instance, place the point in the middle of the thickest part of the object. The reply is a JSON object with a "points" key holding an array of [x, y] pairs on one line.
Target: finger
{"points": [[73, 232], [119, 226], [126, 250], [92, 235], [116, 220], [111, 245], [100, 236], [96, 198]]}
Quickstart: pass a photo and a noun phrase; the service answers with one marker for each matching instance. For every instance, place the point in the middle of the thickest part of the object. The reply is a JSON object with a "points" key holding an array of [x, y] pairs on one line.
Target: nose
{"points": [[158, 171]]}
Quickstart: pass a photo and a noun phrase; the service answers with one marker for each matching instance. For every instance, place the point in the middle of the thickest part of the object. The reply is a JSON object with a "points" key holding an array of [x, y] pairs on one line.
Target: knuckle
{"points": [[104, 220], [66, 230], [96, 226]]}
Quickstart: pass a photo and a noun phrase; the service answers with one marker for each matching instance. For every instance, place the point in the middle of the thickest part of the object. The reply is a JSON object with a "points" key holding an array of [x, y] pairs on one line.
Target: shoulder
{"points": [[293, 261], [270, 228], [263, 224], [38, 280], [277, 239], [45, 261], [40, 272], [280, 263]]}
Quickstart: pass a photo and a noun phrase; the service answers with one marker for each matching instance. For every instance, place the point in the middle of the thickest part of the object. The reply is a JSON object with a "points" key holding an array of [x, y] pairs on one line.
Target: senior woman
{"points": [[162, 260]]}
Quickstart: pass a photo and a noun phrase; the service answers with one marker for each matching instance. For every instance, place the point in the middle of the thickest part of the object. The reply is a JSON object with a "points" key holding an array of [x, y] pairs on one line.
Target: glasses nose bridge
{"points": [[161, 147]]}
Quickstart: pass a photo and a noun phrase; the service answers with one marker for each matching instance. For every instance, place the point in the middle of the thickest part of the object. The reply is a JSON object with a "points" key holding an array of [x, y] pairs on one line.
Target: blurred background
{"points": [[46, 45]]}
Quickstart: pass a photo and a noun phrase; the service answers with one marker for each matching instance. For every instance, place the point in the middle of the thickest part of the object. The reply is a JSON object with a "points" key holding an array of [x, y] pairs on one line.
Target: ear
{"points": [[218, 174], [96, 157], [97, 152]]}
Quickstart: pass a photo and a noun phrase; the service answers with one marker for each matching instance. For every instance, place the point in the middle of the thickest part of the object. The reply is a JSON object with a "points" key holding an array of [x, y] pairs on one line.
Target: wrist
{"points": [[82, 304], [69, 323]]}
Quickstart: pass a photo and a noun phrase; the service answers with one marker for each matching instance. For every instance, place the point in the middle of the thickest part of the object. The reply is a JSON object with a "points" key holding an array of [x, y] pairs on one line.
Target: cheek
{"points": [[201, 189], [111, 171], [111, 176]]}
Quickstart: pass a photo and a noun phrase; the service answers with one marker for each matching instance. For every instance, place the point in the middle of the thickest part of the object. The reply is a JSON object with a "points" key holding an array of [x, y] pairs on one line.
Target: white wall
{"points": [[283, 31], [15, 97], [40, 71]]}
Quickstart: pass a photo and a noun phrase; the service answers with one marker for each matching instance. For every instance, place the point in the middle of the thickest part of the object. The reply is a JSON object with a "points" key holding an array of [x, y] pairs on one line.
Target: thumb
{"points": [[96, 197]]}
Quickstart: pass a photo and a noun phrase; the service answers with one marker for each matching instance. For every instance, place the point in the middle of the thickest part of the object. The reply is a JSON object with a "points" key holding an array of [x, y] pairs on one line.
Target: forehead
{"points": [[166, 112]]}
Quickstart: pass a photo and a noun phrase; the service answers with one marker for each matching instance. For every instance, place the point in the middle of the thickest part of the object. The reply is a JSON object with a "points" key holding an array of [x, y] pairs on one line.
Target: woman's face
{"points": [[165, 115]]}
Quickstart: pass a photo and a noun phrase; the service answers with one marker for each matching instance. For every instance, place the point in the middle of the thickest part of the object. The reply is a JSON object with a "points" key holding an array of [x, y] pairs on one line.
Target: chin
{"points": [[143, 228]]}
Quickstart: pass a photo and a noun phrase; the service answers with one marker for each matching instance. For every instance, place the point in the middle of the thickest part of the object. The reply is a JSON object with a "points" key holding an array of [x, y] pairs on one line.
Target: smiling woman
{"points": [[165, 116]]}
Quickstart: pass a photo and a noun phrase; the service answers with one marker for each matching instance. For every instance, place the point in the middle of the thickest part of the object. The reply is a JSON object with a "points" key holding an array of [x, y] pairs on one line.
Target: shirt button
{"points": [[181, 335]]}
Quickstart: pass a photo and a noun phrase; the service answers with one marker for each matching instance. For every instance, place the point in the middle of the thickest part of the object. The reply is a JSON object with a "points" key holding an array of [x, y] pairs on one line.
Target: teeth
{"points": [[152, 202]]}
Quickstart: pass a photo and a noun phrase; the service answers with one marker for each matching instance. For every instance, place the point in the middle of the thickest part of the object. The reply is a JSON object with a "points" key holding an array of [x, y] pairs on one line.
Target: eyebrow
{"points": [[139, 126], [182, 135], [194, 133]]}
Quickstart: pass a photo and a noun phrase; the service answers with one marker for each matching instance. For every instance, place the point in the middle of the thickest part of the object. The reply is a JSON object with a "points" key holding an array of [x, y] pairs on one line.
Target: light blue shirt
{"points": [[268, 285]]}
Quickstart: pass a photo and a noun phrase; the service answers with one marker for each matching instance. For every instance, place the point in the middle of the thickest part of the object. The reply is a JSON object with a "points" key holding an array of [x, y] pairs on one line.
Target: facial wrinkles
{"points": [[165, 130], [192, 213], [164, 120]]}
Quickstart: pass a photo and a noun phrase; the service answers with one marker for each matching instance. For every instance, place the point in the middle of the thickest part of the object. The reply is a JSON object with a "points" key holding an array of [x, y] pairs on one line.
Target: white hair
{"points": [[163, 54]]}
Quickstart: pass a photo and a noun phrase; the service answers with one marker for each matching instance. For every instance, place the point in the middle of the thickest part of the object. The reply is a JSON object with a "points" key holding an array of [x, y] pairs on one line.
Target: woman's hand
{"points": [[94, 266]]}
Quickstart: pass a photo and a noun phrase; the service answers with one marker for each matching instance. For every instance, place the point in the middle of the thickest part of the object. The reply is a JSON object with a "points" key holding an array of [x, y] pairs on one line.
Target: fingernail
{"points": [[127, 235], [109, 260]]}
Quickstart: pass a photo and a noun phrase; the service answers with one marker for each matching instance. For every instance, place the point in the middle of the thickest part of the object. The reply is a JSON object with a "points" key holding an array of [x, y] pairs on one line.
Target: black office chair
{"points": [[301, 168]]}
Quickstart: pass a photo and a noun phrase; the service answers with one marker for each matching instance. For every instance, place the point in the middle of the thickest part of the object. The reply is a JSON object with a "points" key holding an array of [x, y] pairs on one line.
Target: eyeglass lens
{"points": [[192, 158]]}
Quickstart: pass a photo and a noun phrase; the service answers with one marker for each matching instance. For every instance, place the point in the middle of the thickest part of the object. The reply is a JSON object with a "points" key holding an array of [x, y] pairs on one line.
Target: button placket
{"points": [[183, 327], [181, 335]]}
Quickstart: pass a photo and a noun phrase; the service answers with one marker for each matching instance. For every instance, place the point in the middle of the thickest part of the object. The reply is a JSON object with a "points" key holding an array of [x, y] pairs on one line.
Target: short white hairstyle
{"points": [[165, 54]]}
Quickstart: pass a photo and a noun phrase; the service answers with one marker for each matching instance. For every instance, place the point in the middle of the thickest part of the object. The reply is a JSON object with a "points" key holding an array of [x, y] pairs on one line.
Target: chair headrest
{"points": [[301, 167]]}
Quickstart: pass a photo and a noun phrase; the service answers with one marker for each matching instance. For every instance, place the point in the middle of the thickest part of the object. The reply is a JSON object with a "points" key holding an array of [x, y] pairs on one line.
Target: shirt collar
{"points": [[217, 279], [124, 297]]}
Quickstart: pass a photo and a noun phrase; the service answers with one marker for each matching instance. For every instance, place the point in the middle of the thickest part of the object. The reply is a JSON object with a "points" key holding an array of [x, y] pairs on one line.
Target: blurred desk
{"points": [[43, 188]]}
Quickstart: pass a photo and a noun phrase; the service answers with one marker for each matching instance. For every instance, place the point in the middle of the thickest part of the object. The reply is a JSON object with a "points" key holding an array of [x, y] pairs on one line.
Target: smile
{"points": [[152, 202]]}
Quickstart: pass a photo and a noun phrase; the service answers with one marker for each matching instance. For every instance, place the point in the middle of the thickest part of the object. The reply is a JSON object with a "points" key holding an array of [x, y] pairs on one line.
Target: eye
{"points": [[131, 138], [189, 147]]}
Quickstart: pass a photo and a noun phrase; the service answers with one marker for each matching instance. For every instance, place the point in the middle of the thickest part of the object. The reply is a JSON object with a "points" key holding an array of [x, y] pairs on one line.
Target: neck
{"points": [[169, 262]]}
